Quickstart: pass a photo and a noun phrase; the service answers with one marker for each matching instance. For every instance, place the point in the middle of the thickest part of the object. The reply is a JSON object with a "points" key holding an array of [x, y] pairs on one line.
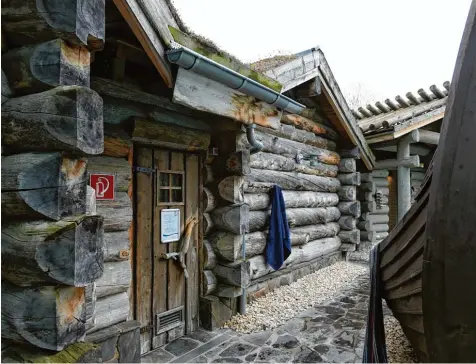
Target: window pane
{"points": [[177, 180], [164, 179], [177, 196], [164, 196]]}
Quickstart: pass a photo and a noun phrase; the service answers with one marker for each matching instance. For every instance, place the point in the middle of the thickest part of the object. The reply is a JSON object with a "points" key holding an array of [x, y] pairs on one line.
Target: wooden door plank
{"points": [[144, 247], [159, 301], [176, 278], [192, 208]]}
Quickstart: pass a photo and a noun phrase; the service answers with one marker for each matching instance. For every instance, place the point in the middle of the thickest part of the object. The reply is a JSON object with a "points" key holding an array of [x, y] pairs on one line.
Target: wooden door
{"points": [[165, 302]]}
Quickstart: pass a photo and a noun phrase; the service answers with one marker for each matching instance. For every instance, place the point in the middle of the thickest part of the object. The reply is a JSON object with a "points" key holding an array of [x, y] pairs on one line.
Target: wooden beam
{"points": [[116, 278], [64, 118], [41, 252], [304, 123], [236, 274], [33, 21], [411, 162], [37, 185], [201, 93], [292, 199], [50, 317]]}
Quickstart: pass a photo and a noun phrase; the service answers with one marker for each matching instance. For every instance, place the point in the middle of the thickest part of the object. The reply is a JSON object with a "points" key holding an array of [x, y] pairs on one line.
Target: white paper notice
{"points": [[170, 225]]}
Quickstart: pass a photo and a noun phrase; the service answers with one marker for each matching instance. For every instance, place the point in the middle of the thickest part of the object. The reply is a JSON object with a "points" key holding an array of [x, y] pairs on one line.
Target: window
{"points": [[170, 188]]}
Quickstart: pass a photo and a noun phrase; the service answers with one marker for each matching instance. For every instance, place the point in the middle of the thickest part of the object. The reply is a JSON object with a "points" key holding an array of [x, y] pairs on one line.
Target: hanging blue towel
{"points": [[278, 246]]}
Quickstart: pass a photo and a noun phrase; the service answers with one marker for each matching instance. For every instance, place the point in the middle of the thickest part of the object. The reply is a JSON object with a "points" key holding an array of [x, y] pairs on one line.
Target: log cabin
{"points": [[164, 149]]}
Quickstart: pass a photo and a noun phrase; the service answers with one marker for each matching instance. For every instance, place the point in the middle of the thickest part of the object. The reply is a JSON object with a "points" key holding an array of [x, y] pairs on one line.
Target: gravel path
{"points": [[399, 349], [286, 302]]}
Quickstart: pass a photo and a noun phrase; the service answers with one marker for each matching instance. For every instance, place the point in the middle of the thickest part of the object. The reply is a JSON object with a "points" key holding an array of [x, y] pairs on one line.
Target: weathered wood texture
{"points": [[117, 143], [116, 246], [234, 219], [201, 93], [209, 201], [228, 246], [290, 148], [347, 222], [31, 21], [47, 317], [350, 179], [117, 213], [307, 252], [47, 65], [7, 92], [90, 201], [352, 236], [294, 181], [350, 208], [236, 274], [209, 282], [90, 301], [347, 165], [120, 167], [347, 193], [39, 252], [310, 125], [209, 257], [296, 217], [116, 278], [111, 310], [292, 199], [64, 118], [36, 185], [169, 136]]}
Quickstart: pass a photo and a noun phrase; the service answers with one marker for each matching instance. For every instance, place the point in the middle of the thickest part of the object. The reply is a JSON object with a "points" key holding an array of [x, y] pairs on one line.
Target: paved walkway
{"points": [[332, 332]]}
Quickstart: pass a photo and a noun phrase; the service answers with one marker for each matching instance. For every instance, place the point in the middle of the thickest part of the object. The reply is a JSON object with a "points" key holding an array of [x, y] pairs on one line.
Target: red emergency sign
{"points": [[103, 184]]}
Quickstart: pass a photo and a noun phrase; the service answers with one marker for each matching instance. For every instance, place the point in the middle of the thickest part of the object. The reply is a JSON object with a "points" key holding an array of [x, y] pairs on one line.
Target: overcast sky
{"points": [[389, 47]]}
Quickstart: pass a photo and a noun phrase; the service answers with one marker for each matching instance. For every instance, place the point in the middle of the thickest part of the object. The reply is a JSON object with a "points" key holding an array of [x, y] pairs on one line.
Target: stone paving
{"points": [[331, 332]]}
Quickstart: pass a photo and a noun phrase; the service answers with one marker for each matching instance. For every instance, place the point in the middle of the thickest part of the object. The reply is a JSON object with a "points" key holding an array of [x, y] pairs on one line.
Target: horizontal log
{"points": [[79, 22], [365, 196], [36, 185], [231, 189], [90, 302], [116, 278], [229, 246], [292, 199], [236, 273], [368, 187], [295, 181], [365, 225], [231, 218], [209, 257], [348, 247], [116, 246], [47, 65], [277, 162], [209, 201], [366, 177], [310, 125], [381, 235], [48, 317], [368, 206], [350, 153], [417, 176], [117, 143], [304, 253], [237, 163], [120, 167], [209, 282], [382, 191], [347, 165], [380, 173], [208, 174], [299, 135], [368, 235], [41, 252], [380, 182], [352, 179], [290, 148], [347, 193], [64, 118], [111, 310], [411, 162], [383, 210], [227, 291], [381, 228], [378, 219], [349, 208], [207, 223], [169, 136], [117, 213], [7, 92], [347, 222], [352, 236], [258, 220]]}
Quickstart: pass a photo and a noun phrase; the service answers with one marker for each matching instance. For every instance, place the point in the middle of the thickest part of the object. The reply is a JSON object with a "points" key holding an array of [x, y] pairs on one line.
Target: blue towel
{"points": [[278, 245]]}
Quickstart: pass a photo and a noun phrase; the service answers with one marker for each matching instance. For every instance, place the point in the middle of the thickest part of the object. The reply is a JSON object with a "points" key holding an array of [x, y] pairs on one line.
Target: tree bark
{"points": [[64, 118], [352, 179], [347, 222], [296, 217], [41, 252], [347, 165], [292, 199], [299, 135], [352, 236], [208, 200], [291, 148], [36, 185], [231, 218], [231, 189], [50, 317], [47, 65], [209, 282], [116, 278], [277, 162], [350, 208], [209, 257], [295, 181], [32, 21], [347, 193], [310, 125]]}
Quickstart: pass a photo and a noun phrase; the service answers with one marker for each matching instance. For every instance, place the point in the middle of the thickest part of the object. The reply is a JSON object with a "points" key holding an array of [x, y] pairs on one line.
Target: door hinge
{"points": [[144, 169]]}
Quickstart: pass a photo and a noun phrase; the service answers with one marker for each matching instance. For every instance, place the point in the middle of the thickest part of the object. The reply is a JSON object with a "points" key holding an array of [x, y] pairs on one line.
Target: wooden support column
{"points": [[403, 176]]}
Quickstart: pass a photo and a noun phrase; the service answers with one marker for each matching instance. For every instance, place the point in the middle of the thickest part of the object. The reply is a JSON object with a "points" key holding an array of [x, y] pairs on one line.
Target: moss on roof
{"points": [[266, 64]]}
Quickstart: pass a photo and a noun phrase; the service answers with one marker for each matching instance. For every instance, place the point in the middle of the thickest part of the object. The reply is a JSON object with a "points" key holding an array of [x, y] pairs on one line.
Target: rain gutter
{"points": [[195, 62]]}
